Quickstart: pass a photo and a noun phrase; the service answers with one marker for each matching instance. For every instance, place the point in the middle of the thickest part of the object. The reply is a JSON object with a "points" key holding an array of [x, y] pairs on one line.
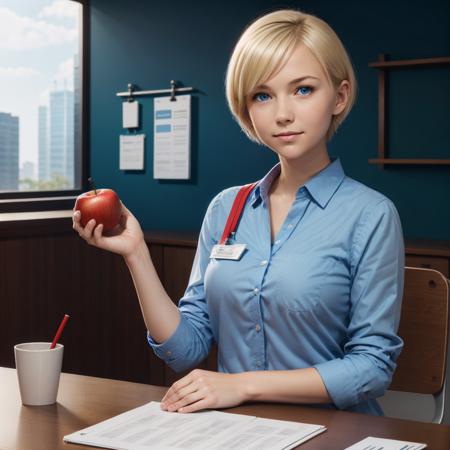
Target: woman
{"points": [[310, 310]]}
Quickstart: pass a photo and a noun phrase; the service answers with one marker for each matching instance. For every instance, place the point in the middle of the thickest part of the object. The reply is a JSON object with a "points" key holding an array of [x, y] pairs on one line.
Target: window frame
{"points": [[31, 201]]}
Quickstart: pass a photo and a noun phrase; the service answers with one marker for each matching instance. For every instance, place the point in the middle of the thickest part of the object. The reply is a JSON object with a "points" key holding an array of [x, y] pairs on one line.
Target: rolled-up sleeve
{"points": [[372, 346], [191, 341]]}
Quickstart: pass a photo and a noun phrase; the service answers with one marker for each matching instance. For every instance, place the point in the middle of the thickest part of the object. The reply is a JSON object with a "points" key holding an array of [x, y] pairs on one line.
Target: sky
{"points": [[38, 39]]}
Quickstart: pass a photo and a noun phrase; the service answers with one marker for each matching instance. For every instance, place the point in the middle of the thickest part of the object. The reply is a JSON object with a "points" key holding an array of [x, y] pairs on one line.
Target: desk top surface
{"points": [[85, 401]]}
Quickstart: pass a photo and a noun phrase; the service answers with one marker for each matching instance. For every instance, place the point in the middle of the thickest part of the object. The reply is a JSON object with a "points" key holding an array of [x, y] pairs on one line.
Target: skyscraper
{"points": [[9, 152], [77, 68], [43, 144], [61, 135], [56, 138]]}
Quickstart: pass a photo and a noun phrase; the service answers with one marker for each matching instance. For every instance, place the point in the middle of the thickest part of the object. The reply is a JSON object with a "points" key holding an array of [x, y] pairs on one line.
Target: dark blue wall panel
{"points": [[150, 43]]}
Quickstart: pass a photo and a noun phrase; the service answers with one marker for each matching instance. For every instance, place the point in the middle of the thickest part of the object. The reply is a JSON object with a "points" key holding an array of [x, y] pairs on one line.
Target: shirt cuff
{"points": [[173, 350], [340, 384]]}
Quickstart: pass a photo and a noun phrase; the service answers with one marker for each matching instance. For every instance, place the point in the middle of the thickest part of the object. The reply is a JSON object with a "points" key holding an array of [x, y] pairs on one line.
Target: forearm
{"points": [[161, 316], [287, 386]]}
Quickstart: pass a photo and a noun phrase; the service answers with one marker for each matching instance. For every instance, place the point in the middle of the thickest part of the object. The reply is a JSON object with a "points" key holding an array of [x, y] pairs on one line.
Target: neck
{"points": [[295, 173]]}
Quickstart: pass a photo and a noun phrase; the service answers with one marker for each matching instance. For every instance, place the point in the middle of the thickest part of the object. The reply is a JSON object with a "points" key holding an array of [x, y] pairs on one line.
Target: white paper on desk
{"points": [[132, 152], [172, 138], [373, 443], [149, 427]]}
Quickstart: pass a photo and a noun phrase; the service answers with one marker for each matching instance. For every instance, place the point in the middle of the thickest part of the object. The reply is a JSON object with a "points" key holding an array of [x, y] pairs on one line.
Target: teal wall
{"points": [[150, 43]]}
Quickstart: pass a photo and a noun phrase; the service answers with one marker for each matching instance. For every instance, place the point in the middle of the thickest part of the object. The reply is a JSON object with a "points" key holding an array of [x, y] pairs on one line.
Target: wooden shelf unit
{"points": [[383, 65], [405, 161]]}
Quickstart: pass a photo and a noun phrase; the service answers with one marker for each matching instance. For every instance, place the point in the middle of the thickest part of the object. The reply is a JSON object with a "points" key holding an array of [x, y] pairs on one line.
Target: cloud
{"points": [[20, 32], [22, 72], [61, 9]]}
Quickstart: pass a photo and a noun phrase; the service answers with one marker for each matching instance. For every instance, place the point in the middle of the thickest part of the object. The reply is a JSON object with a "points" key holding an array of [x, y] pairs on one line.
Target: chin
{"points": [[291, 152], [305, 156], [294, 151]]}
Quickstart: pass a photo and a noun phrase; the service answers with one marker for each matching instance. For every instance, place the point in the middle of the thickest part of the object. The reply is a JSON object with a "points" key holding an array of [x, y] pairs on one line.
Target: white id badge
{"points": [[228, 251]]}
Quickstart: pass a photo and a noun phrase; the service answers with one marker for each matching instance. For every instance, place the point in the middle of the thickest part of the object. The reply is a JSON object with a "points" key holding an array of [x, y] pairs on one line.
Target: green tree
{"points": [[56, 183]]}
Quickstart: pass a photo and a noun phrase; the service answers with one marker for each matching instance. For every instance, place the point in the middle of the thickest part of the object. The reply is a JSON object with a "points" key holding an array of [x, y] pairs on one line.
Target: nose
{"points": [[284, 112]]}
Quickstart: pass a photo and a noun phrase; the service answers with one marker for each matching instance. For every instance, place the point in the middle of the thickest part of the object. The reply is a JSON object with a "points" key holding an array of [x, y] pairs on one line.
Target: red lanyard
{"points": [[236, 211]]}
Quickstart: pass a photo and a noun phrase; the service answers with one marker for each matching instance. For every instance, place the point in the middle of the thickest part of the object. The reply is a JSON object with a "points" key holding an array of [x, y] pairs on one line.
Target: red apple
{"points": [[103, 205]]}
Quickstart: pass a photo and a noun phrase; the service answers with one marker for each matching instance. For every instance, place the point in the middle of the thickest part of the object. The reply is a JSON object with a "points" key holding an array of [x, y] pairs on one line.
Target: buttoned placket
{"points": [[295, 215]]}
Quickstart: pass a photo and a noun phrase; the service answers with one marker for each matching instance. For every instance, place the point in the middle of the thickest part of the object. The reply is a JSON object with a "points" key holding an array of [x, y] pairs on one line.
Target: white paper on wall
{"points": [[130, 114], [132, 152], [172, 138]]}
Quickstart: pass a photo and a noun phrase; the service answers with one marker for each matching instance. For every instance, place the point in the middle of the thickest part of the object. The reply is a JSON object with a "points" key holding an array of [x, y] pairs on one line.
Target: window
{"points": [[42, 131]]}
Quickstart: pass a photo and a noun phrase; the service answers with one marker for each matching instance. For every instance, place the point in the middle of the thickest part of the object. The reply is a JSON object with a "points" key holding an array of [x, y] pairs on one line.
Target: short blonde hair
{"points": [[264, 47]]}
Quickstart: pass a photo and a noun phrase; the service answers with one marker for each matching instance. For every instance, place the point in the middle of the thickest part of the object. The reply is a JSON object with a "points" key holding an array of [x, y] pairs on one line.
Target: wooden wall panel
{"points": [[45, 277], [47, 271], [177, 268], [177, 263]]}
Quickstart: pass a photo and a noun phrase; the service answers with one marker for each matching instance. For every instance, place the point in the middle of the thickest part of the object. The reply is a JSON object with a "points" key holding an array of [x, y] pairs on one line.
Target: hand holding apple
{"points": [[125, 239], [103, 205]]}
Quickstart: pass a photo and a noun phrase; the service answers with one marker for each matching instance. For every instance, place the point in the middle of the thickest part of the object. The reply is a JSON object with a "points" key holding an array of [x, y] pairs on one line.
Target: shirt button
{"points": [[256, 290], [258, 327], [290, 226], [168, 353], [258, 363], [264, 262]]}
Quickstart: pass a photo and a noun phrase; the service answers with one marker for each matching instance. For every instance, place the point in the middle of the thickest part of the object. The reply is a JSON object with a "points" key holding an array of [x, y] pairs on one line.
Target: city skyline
{"points": [[38, 41], [56, 142]]}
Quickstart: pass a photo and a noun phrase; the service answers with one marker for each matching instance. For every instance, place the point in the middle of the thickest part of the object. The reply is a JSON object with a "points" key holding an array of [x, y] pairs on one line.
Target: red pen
{"points": [[59, 331]]}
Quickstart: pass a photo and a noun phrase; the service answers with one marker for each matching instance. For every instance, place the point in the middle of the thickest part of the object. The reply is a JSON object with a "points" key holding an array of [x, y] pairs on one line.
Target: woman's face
{"points": [[297, 100]]}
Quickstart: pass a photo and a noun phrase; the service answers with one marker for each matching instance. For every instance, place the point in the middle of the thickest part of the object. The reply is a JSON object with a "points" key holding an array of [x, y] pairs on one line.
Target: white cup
{"points": [[38, 371]]}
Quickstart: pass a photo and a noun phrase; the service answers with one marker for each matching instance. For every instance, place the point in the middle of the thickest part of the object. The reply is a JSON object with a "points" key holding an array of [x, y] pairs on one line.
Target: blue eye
{"points": [[304, 91], [301, 89], [260, 97]]}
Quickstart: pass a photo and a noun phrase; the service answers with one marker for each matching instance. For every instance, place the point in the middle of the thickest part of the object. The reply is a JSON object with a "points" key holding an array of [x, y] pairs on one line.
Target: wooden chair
{"points": [[422, 367]]}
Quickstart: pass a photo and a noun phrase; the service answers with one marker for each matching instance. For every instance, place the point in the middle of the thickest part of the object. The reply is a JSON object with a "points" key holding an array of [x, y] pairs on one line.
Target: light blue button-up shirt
{"points": [[325, 294]]}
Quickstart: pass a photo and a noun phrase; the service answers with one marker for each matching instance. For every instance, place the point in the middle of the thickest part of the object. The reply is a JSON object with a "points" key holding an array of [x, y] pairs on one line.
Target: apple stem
{"points": [[91, 182]]}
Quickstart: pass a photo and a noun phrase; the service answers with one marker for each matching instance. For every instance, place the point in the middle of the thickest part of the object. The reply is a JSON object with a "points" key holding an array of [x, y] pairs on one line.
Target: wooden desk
{"points": [[84, 401]]}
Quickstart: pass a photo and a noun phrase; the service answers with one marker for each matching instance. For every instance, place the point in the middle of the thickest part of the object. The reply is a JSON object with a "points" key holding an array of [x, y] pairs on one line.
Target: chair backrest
{"points": [[421, 367]]}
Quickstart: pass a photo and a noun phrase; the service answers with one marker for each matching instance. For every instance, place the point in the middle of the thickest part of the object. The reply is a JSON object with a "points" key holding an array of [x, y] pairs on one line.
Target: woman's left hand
{"points": [[202, 389]]}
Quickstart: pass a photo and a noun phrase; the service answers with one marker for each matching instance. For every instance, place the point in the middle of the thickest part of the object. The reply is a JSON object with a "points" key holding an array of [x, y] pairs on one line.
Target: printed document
{"points": [[373, 443], [172, 138], [132, 152], [148, 427]]}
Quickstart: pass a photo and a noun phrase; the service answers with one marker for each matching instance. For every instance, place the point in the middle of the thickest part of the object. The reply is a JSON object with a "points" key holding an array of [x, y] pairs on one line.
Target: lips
{"points": [[288, 133], [288, 136]]}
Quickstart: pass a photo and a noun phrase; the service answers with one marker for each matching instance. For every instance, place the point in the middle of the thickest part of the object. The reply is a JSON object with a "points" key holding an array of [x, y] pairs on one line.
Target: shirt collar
{"points": [[321, 186]]}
